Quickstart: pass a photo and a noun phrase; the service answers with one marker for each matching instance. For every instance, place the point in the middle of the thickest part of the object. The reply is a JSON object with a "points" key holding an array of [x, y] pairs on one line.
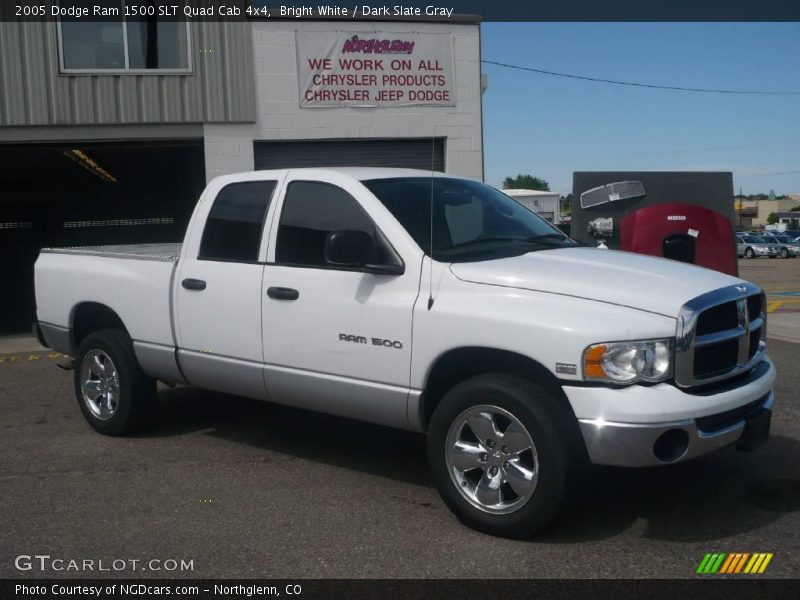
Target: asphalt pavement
{"points": [[249, 489]]}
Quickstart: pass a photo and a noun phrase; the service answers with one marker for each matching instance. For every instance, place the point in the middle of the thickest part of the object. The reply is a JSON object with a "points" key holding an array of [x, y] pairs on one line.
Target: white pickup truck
{"points": [[424, 302]]}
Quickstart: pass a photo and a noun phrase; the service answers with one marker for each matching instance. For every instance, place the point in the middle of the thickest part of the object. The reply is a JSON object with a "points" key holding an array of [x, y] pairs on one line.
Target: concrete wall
{"points": [[279, 116]]}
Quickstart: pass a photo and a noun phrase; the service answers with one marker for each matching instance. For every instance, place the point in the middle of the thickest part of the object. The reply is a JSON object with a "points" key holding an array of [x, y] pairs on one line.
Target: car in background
{"points": [[792, 246], [751, 246], [794, 234]]}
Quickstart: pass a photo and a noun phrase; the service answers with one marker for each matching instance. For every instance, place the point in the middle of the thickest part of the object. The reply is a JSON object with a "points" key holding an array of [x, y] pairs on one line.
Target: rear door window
{"points": [[236, 221]]}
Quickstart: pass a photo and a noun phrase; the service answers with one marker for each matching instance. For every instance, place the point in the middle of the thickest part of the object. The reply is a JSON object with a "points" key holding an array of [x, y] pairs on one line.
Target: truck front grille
{"points": [[720, 335]]}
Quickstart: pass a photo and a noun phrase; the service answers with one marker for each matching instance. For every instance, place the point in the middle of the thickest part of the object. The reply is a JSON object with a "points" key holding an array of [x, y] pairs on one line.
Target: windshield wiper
{"points": [[495, 238], [534, 239], [544, 236]]}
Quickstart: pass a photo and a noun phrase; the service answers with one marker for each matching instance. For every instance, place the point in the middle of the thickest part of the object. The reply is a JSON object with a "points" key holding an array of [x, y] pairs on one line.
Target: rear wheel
{"points": [[114, 395], [501, 449]]}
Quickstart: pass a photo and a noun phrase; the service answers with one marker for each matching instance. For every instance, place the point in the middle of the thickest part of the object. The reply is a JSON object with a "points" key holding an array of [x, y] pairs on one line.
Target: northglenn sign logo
{"points": [[375, 69], [376, 46]]}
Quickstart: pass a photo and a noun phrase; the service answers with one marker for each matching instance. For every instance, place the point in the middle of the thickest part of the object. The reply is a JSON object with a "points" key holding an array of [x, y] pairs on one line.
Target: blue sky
{"points": [[551, 126]]}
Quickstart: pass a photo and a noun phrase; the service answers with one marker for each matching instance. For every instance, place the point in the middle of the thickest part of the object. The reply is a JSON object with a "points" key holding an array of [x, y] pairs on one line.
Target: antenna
{"points": [[430, 269]]}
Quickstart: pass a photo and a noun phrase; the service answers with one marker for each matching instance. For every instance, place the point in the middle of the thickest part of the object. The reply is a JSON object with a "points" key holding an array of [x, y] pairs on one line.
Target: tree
{"points": [[566, 204], [772, 218], [525, 182]]}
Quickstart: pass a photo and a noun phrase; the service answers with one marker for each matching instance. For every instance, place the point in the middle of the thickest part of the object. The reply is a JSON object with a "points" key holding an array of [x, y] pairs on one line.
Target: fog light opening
{"points": [[671, 445]]}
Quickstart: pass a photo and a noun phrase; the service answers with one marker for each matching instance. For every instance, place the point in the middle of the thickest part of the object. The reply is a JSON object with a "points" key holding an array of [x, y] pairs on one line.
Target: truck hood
{"points": [[642, 282]]}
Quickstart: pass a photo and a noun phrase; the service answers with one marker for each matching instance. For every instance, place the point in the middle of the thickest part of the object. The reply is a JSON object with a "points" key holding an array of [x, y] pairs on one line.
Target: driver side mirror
{"points": [[351, 248]]}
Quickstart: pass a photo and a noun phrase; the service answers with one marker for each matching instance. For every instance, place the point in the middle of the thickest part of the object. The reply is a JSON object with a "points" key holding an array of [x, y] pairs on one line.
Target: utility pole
{"points": [[740, 207]]}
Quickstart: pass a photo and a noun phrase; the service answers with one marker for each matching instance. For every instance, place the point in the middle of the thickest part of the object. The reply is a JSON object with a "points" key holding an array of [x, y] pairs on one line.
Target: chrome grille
{"points": [[720, 335]]}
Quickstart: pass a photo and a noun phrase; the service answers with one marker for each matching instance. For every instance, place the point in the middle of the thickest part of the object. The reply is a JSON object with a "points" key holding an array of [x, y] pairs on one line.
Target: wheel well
{"points": [[92, 316], [462, 363]]}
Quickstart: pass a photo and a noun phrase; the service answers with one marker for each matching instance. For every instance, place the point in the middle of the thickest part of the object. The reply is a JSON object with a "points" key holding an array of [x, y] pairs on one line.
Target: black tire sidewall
{"points": [[136, 389], [749, 253], [541, 414]]}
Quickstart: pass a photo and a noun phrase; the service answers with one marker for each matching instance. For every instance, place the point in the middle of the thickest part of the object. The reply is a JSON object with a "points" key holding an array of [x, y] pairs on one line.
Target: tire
{"points": [[106, 366], [749, 253], [784, 253], [517, 407]]}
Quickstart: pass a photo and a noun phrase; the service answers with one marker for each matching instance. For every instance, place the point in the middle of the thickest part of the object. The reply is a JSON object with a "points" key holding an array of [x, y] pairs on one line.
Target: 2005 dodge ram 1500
{"points": [[425, 302]]}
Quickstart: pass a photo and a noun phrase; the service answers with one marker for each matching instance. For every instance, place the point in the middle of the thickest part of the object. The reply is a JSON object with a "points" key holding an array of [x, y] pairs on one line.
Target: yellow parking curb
{"points": [[18, 358], [772, 306]]}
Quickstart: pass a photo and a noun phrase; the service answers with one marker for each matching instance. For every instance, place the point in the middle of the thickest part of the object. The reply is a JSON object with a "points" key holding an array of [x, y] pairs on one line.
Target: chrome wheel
{"points": [[492, 459], [99, 384]]}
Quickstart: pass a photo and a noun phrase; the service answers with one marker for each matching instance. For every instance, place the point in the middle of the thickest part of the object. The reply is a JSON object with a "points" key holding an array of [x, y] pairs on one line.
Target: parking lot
{"points": [[248, 489], [780, 278]]}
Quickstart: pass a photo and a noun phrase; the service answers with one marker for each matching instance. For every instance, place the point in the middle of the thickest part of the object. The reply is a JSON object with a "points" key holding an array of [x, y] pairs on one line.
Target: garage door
{"points": [[88, 193], [406, 153]]}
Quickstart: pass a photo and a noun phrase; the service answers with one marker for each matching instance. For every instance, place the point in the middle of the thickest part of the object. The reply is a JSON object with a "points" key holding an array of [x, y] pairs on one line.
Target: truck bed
{"points": [[133, 280], [152, 252]]}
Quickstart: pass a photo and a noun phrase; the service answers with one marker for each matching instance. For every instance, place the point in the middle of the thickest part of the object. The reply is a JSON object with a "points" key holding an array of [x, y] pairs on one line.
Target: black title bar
{"points": [[412, 10]]}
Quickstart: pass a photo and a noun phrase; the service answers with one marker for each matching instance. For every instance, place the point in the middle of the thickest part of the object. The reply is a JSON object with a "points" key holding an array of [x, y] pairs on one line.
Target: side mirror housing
{"points": [[357, 249], [350, 248]]}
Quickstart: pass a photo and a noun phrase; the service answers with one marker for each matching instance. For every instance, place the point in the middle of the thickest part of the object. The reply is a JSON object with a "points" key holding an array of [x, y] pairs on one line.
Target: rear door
{"points": [[218, 291]]}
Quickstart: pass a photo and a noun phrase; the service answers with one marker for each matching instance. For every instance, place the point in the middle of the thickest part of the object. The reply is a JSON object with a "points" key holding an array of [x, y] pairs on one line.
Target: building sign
{"points": [[375, 68]]}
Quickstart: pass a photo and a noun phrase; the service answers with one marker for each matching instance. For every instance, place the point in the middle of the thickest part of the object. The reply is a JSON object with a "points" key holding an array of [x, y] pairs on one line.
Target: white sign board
{"points": [[375, 68]]}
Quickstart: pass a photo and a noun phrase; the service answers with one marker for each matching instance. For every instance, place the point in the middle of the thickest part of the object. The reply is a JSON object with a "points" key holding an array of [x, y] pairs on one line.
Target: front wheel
{"points": [[114, 395], [749, 253], [784, 253], [501, 449]]}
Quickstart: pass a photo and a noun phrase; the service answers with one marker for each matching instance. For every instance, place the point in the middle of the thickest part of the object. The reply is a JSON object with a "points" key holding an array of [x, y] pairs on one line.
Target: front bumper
{"points": [[641, 426], [642, 445]]}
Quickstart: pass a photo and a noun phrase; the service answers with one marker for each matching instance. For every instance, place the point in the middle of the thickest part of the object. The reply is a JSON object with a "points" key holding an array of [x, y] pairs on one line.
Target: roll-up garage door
{"points": [[417, 153]]}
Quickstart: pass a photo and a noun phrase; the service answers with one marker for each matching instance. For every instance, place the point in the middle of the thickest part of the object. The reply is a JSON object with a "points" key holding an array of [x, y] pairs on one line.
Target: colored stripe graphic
{"points": [[711, 562], [728, 562], [718, 562], [703, 563], [754, 563], [765, 563], [741, 562], [734, 562]]}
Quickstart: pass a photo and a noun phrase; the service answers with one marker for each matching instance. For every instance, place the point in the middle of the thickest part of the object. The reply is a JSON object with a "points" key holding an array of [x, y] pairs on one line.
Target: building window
{"points": [[117, 44]]}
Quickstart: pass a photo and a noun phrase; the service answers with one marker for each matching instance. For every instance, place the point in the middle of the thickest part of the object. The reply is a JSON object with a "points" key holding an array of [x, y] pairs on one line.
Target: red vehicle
{"points": [[685, 232]]}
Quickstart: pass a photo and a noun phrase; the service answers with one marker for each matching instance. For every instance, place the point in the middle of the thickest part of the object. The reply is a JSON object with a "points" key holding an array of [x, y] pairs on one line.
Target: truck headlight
{"points": [[628, 362]]}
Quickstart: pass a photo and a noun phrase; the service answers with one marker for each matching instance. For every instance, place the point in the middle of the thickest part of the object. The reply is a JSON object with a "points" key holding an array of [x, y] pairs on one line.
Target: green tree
{"points": [[525, 182], [566, 204], [772, 218]]}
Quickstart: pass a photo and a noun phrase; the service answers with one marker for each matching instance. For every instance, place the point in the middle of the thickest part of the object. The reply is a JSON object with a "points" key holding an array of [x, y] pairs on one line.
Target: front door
{"points": [[336, 339]]}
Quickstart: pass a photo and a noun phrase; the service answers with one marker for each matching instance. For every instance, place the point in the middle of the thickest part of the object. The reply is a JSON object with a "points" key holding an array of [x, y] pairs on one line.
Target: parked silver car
{"points": [[791, 246], [751, 246]]}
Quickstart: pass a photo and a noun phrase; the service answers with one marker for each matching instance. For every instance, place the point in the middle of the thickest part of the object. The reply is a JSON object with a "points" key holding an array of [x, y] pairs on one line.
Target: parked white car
{"points": [[424, 302]]}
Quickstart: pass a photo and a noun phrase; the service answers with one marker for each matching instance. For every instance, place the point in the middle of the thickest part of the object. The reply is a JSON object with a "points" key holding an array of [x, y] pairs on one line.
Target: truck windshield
{"points": [[471, 220]]}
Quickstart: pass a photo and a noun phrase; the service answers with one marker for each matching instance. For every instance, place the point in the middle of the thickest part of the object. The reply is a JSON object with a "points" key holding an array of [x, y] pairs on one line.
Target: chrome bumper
{"points": [[632, 444]]}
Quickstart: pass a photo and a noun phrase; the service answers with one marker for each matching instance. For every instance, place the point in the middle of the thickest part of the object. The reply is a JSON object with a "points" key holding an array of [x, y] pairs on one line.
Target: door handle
{"points": [[282, 293], [194, 284]]}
